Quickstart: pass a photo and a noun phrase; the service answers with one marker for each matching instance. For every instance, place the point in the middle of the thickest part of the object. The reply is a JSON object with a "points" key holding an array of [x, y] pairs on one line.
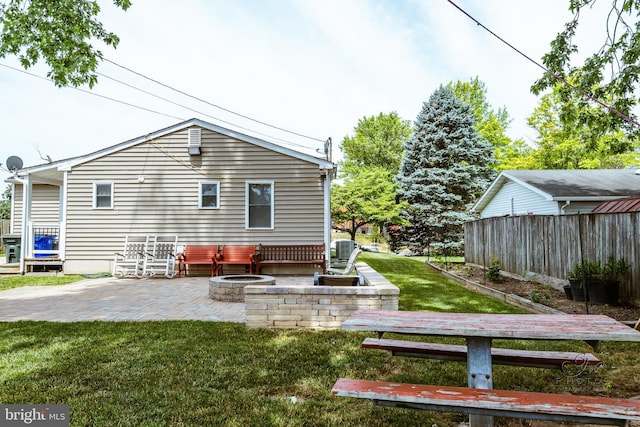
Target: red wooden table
{"points": [[480, 329]]}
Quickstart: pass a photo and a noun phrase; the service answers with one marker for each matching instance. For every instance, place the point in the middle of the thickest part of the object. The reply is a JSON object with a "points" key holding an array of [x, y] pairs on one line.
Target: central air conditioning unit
{"points": [[194, 142]]}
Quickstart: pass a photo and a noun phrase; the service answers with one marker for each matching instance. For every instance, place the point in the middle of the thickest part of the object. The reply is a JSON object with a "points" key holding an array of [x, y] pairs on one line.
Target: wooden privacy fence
{"points": [[4, 229], [551, 245]]}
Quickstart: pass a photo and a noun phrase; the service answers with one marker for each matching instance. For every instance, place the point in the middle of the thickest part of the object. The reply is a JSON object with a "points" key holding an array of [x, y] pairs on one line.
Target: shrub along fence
{"points": [[551, 245]]}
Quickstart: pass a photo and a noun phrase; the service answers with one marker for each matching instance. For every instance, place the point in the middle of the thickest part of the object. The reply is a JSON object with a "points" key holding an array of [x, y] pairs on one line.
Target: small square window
{"points": [[209, 195], [103, 195]]}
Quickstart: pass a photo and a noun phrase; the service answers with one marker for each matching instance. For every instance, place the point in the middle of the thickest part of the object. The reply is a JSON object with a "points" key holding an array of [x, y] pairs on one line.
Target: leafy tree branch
{"points": [[60, 32]]}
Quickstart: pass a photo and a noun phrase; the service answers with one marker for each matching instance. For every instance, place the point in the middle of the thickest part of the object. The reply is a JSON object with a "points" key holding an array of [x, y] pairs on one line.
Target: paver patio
{"points": [[119, 300]]}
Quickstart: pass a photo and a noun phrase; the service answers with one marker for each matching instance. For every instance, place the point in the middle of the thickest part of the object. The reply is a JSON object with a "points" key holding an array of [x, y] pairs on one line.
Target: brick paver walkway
{"points": [[117, 300]]}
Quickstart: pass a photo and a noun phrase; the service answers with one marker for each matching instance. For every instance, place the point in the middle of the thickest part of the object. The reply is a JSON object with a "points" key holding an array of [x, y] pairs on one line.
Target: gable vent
{"points": [[195, 141]]}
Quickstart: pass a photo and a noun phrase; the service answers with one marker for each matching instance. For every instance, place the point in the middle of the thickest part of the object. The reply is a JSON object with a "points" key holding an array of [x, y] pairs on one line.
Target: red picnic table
{"points": [[479, 330]]}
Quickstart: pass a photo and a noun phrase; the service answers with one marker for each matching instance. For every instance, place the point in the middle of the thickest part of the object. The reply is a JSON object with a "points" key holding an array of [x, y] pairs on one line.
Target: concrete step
{"points": [[9, 268]]}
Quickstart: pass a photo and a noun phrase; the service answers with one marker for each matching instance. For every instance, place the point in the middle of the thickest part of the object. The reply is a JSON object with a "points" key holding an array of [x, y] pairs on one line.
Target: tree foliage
{"points": [[610, 74], [565, 141], [60, 32], [368, 196], [445, 168], [371, 159], [377, 141], [5, 203], [492, 125]]}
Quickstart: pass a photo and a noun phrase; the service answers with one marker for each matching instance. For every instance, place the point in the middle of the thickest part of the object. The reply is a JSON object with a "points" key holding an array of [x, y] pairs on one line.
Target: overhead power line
{"points": [[94, 93], [199, 112], [546, 70], [252, 131], [209, 103]]}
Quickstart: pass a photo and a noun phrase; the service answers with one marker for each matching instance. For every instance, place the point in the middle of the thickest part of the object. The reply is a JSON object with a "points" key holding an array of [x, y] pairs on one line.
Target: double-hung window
{"points": [[209, 195], [103, 195], [259, 205]]}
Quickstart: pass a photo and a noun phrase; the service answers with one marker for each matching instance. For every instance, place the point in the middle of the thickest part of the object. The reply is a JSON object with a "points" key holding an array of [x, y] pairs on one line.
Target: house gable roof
{"points": [[68, 164], [569, 185]]}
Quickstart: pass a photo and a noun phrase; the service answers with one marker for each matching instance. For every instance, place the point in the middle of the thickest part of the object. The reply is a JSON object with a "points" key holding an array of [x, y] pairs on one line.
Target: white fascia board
{"points": [[322, 164], [588, 198], [536, 190], [489, 193]]}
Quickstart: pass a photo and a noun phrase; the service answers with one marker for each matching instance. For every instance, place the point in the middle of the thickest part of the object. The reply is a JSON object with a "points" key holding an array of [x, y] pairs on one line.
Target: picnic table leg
{"points": [[480, 374]]}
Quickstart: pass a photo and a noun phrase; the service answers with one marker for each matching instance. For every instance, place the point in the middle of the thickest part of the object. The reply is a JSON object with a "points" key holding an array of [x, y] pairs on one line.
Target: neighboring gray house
{"points": [[555, 192], [204, 183]]}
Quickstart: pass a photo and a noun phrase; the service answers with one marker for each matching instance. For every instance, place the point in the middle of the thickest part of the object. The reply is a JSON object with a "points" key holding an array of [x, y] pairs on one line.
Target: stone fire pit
{"points": [[231, 288]]}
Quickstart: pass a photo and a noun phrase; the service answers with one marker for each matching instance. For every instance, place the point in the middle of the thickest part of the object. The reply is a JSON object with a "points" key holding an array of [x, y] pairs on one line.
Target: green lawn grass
{"points": [[190, 373], [423, 288], [13, 281]]}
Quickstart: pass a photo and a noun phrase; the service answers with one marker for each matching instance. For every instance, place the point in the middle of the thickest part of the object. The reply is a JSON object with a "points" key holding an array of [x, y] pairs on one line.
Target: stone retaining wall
{"points": [[231, 288], [308, 306]]}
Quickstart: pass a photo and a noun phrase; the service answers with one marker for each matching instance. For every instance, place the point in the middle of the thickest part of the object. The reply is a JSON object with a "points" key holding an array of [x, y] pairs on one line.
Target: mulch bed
{"points": [[546, 295]]}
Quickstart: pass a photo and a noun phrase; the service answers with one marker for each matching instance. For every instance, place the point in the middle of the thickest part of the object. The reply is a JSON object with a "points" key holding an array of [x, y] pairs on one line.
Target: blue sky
{"points": [[313, 67]]}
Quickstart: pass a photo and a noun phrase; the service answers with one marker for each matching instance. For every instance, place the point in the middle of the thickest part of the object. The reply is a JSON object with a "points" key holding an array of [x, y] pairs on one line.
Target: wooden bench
{"points": [[500, 356], [197, 255], [503, 403], [235, 255], [291, 254]]}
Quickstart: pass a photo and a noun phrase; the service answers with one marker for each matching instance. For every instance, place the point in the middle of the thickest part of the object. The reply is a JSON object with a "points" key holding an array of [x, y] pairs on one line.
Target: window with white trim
{"points": [[259, 205], [103, 195], [209, 195]]}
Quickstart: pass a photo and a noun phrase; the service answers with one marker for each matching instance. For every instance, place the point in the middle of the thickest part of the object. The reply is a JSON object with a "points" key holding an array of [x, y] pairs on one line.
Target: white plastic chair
{"points": [[351, 263], [162, 258], [131, 259]]}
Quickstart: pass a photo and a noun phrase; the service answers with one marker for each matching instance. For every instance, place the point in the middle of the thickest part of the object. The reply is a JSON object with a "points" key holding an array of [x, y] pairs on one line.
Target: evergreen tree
{"points": [[492, 125], [445, 168]]}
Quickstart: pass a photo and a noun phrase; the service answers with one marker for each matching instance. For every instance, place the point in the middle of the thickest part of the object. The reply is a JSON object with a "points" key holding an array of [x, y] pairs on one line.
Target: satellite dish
{"points": [[14, 163]]}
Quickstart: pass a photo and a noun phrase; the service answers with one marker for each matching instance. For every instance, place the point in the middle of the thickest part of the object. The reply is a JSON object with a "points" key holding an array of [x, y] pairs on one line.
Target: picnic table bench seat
{"points": [[313, 254], [501, 356], [513, 404], [235, 255], [197, 255]]}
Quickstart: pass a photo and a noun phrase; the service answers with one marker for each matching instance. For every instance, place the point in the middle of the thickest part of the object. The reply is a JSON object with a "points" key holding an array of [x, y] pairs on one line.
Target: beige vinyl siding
{"points": [[166, 203], [45, 206]]}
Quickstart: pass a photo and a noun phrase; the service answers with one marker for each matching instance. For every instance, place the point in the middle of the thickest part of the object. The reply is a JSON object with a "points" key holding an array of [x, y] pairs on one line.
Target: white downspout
{"points": [[566, 204], [63, 218], [26, 220], [327, 215]]}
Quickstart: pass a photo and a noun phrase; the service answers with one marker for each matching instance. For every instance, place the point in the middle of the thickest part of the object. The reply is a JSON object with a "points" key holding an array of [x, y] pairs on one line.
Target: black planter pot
{"points": [[603, 291], [577, 291], [567, 291]]}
